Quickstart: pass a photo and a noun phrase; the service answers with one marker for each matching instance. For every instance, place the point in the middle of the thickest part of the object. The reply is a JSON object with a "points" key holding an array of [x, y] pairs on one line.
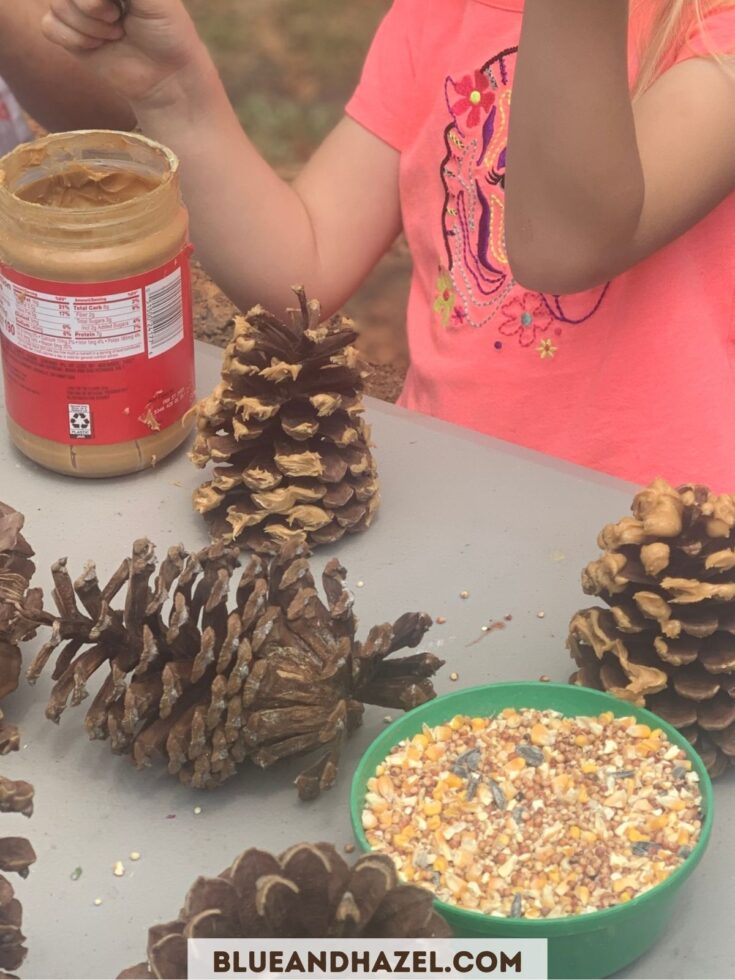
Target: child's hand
{"points": [[141, 56]]}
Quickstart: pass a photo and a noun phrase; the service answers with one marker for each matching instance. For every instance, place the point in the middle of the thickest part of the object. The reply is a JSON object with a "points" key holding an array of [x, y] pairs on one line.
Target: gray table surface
{"points": [[460, 512]]}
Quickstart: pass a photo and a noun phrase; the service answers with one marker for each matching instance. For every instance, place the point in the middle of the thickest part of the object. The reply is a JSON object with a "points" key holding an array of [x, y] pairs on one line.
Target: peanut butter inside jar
{"points": [[95, 303]]}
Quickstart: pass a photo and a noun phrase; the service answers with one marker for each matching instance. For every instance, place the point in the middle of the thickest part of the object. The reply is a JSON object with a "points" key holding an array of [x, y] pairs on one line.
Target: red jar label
{"points": [[98, 363]]}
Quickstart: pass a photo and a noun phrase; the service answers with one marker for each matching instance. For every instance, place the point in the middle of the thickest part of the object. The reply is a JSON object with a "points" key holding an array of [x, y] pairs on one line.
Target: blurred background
{"points": [[289, 68]]}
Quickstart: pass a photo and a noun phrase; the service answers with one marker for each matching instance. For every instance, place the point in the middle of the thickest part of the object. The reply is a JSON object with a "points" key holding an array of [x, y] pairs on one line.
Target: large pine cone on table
{"points": [[307, 892], [285, 431], [667, 639], [206, 685]]}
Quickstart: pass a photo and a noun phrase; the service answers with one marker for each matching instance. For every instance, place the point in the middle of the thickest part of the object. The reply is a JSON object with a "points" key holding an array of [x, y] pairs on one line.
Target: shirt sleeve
{"points": [[384, 99], [712, 37]]}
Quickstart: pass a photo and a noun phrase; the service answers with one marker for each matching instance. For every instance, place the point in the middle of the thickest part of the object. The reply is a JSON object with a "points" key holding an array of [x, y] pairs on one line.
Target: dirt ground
{"points": [[289, 67]]}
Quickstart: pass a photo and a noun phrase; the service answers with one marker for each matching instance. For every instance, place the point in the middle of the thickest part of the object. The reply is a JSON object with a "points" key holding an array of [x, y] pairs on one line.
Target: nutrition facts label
{"points": [[71, 327]]}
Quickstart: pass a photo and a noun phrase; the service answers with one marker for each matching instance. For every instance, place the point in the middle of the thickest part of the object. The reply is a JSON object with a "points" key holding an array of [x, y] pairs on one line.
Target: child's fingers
{"points": [[66, 37], [68, 12], [107, 10]]}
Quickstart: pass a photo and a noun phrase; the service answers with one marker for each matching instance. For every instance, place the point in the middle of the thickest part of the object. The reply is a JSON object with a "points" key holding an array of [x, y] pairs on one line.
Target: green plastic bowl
{"points": [[581, 946]]}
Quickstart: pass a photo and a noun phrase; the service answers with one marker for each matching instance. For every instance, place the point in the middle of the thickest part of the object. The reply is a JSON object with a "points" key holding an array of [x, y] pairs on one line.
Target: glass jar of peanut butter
{"points": [[95, 302]]}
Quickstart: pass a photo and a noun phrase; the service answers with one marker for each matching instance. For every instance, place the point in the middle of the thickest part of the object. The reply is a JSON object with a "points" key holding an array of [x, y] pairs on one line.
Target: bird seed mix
{"points": [[530, 814]]}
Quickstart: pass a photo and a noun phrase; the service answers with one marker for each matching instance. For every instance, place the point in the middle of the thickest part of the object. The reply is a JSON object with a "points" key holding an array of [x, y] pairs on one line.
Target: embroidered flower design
{"points": [[546, 349], [525, 317], [446, 298], [458, 317], [476, 98]]}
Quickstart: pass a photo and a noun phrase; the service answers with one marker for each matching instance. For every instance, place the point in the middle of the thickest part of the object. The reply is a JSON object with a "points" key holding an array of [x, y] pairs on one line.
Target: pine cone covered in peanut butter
{"points": [[308, 892], [285, 432], [205, 668], [666, 640]]}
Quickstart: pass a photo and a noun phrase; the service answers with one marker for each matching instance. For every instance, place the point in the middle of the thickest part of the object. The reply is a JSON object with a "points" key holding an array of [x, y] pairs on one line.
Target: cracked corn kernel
{"points": [[592, 820]]}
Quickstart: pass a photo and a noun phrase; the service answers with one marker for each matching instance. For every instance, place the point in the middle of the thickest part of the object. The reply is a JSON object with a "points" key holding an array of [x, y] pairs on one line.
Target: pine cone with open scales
{"points": [[16, 796], [206, 686], [309, 891], [667, 639], [285, 432]]}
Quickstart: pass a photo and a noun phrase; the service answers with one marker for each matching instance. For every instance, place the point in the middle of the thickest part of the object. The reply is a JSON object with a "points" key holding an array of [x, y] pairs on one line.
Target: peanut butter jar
{"points": [[95, 303]]}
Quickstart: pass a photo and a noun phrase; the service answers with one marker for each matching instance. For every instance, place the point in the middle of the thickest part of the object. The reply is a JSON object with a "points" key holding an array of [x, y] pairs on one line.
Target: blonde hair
{"points": [[667, 28]]}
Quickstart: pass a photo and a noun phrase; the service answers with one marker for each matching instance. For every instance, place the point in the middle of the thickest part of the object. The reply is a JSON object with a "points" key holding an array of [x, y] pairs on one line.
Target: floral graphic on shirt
{"points": [[476, 273], [451, 315], [475, 98], [546, 349], [525, 316], [444, 302]]}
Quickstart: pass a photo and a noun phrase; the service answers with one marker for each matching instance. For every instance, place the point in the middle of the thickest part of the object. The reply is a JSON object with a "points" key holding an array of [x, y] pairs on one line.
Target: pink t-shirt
{"points": [[634, 378]]}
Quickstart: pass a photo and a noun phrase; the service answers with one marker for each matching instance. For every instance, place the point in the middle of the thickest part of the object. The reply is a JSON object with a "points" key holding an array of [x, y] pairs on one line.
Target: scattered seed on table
{"points": [[441, 620], [568, 835], [544, 678], [118, 869], [349, 848], [541, 614], [485, 629], [360, 584], [135, 855], [197, 810], [98, 901], [509, 618], [387, 719], [454, 676], [464, 595], [76, 874]]}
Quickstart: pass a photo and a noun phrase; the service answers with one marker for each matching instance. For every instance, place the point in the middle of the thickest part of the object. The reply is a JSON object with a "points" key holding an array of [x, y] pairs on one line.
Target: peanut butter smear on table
{"points": [[81, 188]]}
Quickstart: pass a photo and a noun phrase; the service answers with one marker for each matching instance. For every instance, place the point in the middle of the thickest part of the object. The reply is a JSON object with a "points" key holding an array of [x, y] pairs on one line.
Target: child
{"points": [[613, 343], [47, 82]]}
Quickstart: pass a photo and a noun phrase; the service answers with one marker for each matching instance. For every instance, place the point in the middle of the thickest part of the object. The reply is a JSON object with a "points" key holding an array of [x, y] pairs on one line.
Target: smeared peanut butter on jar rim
{"points": [[95, 303]]}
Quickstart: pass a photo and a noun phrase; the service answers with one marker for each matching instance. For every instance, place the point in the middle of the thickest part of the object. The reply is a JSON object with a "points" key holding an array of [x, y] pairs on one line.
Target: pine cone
{"points": [[285, 432], [16, 604], [667, 640], [308, 892], [279, 675], [16, 856]]}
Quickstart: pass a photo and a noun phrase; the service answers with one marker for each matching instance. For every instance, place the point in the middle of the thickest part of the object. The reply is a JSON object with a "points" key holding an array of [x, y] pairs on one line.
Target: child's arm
{"points": [[594, 183], [256, 234], [49, 84]]}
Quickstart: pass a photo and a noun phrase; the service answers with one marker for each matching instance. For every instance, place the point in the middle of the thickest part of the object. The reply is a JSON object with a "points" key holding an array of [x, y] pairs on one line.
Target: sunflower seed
{"points": [[516, 909], [531, 754], [517, 815], [642, 848], [498, 795], [472, 783]]}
